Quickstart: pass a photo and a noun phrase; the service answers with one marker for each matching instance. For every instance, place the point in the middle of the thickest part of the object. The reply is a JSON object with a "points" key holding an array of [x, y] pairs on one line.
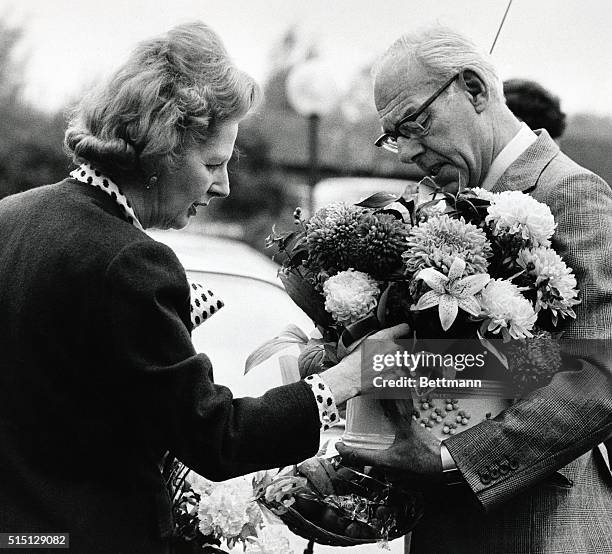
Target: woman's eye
{"points": [[214, 166]]}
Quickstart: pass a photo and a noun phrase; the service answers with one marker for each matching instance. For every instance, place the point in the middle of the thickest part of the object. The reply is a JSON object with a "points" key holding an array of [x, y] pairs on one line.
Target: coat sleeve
{"points": [[554, 425], [175, 399]]}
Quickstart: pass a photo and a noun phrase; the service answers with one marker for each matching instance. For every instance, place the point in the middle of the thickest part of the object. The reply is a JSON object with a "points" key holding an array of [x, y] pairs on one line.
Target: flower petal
{"points": [[456, 269], [428, 300], [469, 286], [470, 305], [448, 309], [433, 278]]}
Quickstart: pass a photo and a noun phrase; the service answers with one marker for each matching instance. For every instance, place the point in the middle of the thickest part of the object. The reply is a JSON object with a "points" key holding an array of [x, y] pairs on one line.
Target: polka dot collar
{"points": [[204, 303], [85, 173]]}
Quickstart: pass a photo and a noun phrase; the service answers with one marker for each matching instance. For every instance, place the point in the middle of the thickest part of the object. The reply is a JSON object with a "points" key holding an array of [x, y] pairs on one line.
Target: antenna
{"points": [[500, 26]]}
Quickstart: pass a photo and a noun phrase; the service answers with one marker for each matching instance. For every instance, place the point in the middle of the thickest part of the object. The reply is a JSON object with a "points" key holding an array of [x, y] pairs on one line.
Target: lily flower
{"points": [[451, 292]]}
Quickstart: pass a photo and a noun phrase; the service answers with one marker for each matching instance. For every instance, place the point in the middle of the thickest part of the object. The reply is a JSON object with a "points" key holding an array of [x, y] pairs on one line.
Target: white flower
{"points": [[270, 540], [484, 194], [515, 213], [507, 309], [554, 281], [350, 295], [452, 292], [227, 508]]}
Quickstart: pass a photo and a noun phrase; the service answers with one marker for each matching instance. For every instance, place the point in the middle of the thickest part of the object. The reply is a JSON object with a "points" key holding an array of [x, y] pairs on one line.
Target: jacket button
{"points": [[504, 467], [485, 477], [494, 473], [513, 463]]}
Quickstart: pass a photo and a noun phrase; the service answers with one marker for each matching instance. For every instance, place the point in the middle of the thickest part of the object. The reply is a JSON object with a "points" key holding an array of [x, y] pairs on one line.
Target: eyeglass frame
{"points": [[396, 133]]}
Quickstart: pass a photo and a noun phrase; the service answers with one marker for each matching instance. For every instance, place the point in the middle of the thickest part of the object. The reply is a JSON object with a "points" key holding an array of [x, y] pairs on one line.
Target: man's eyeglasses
{"points": [[415, 124]]}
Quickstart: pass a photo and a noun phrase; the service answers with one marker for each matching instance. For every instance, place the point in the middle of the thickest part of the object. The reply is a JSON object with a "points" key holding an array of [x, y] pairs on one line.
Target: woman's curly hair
{"points": [[171, 92]]}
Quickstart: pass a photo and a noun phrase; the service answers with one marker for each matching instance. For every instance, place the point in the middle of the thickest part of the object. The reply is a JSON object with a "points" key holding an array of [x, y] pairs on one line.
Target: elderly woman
{"points": [[98, 375]]}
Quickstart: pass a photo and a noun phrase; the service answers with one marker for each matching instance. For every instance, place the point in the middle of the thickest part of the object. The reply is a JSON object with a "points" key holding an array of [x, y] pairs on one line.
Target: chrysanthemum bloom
{"points": [[452, 292], [350, 295], [554, 281], [332, 236], [228, 508], [439, 240], [517, 214], [507, 310], [382, 240], [533, 362], [340, 237]]}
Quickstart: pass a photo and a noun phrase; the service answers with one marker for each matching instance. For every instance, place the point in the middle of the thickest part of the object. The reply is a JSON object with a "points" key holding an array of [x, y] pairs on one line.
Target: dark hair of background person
{"points": [[533, 104]]}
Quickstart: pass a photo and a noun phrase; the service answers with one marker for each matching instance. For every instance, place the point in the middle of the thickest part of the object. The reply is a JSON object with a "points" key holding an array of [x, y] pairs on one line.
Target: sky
{"points": [[564, 44]]}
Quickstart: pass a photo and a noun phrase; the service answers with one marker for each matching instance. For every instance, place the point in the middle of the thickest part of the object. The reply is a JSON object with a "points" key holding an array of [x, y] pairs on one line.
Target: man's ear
{"points": [[476, 89]]}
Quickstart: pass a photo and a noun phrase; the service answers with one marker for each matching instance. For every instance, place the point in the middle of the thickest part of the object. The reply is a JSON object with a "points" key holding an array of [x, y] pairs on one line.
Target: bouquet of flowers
{"points": [[471, 265], [468, 265], [210, 516]]}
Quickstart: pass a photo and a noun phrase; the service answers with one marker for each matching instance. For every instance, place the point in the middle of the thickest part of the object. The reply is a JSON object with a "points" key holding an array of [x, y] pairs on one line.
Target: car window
{"points": [[254, 312]]}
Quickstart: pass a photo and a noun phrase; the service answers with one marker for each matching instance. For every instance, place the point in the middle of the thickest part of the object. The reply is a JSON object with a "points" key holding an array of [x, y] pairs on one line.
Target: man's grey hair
{"points": [[444, 52]]}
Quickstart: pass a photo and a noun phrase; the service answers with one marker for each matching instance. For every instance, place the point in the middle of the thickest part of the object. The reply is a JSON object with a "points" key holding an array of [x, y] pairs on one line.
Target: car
{"points": [[257, 308]]}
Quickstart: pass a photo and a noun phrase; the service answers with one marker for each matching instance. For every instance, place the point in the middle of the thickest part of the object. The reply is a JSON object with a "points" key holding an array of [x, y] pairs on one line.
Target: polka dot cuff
{"points": [[328, 413], [204, 303]]}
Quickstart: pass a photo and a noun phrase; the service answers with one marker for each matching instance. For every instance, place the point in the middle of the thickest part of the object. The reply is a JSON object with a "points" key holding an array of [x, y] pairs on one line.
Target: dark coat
{"points": [[99, 378]]}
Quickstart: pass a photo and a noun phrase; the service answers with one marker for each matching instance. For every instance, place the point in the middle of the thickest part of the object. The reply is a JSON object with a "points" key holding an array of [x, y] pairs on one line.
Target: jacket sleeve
{"points": [[175, 399], [554, 425]]}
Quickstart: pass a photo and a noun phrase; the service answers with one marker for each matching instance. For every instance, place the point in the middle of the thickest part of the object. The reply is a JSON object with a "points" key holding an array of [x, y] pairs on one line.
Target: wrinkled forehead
{"points": [[401, 85]]}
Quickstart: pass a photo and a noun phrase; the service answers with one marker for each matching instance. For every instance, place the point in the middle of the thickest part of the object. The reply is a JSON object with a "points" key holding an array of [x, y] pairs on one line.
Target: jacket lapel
{"points": [[524, 173]]}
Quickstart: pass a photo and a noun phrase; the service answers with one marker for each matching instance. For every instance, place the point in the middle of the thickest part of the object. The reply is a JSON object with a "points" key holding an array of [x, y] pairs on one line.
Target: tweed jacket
{"points": [[536, 481], [99, 378]]}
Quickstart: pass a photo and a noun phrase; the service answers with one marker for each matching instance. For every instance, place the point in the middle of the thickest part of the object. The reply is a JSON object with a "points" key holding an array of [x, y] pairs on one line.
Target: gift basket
{"points": [[329, 503]]}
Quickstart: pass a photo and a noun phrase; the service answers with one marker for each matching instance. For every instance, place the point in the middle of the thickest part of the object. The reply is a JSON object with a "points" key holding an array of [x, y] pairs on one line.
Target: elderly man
{"points": [[533, 479]]}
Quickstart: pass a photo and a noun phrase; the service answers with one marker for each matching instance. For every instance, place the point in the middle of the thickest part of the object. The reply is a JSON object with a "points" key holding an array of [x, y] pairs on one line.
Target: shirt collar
{"points": [[204, 302], [86, 173], [509, 154]]}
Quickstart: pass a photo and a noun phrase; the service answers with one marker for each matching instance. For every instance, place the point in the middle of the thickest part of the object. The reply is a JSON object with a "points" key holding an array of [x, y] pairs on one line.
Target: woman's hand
{"points": [[349, 378]]}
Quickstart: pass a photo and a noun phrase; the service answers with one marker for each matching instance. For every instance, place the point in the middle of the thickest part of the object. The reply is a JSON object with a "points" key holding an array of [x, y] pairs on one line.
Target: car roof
{"points": [[354, 189], [212, 254]]}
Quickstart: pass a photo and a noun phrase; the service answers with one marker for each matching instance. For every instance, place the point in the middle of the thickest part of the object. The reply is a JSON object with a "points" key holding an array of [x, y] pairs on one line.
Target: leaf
{"points": [[311, 358], [381, 310], [489, 346], [355, 333], [378, 200], [291, 335], [410, 205], [306, 297], [395, 213]]}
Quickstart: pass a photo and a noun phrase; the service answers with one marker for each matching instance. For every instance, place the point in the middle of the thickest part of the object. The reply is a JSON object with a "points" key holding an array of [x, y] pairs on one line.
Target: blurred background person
{"points": [[536, 106]]}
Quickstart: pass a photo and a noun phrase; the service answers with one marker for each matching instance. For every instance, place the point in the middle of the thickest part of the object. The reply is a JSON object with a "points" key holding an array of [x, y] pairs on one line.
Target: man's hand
{"points": [[415, 452]]}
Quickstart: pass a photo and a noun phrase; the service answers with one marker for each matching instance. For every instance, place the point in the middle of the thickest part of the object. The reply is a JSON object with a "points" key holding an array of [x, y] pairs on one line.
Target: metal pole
{"points": [[313, 155]]}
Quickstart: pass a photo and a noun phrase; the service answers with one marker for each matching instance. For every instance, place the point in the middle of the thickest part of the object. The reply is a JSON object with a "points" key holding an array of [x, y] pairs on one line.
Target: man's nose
{"points": [[408, 149]]}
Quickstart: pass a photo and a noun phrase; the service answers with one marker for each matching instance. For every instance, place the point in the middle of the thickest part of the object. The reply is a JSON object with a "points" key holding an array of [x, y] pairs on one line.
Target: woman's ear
{"points": [[476, 89]]}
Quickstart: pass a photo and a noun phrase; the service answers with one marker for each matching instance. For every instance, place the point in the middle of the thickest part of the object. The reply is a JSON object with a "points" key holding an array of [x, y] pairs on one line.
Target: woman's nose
{"points": [[221, 185]]}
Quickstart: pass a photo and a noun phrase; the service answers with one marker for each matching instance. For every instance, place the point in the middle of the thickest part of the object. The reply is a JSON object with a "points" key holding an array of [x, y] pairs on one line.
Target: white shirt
{"points": [[509, 154]]}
